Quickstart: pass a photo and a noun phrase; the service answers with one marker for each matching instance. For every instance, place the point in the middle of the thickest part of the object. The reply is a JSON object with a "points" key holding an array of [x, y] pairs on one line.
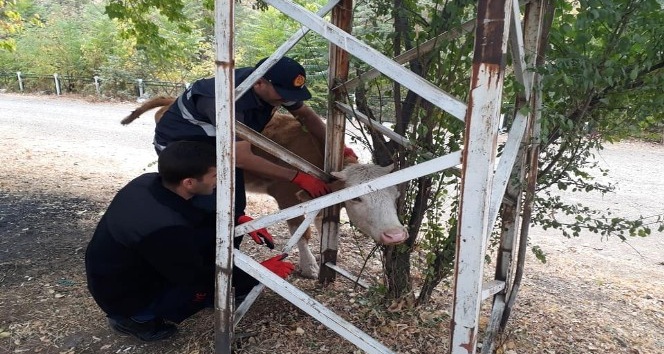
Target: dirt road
{"points": [[63, 159]]}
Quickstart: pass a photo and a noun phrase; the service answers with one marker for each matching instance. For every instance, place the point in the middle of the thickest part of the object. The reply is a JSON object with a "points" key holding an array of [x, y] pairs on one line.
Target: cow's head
{"points": [[375, 213]]}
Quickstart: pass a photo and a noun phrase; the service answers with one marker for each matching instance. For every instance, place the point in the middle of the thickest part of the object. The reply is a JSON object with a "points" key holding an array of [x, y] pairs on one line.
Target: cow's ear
{"points": [[341, 175]]}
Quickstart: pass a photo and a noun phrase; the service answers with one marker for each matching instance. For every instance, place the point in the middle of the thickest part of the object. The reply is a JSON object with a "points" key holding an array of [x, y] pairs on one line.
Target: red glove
{"points": [[278, 266], [311, 184], [256, 235], [349, 153]]}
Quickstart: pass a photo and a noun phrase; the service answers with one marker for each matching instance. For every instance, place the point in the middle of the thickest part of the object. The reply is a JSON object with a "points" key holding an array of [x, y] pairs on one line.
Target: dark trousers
{"points": [[176, 304]]}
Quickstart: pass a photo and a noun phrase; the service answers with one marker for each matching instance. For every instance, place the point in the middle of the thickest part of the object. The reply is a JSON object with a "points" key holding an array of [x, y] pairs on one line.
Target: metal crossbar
{"points": [[389, 68], [256, 291], [436, 165], [312, 307]]}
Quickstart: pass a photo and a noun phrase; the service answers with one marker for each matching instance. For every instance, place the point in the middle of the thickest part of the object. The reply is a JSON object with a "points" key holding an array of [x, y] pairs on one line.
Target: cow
{"points": [[374, 214]]}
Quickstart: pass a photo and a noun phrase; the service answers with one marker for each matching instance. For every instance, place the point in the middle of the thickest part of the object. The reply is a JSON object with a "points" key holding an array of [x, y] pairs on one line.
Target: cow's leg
{"points": [[284, 194], [308, 264]]}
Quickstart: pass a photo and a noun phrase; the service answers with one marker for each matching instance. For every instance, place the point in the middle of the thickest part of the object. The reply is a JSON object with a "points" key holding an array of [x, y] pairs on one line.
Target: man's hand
{"points": [[278, 266], [349, 153], [311, 184], [258, 235]]}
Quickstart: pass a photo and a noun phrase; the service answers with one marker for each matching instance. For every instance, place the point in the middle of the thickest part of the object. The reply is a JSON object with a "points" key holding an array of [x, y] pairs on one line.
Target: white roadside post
{"points": [[97, 88], [57, 84], [20, 81], [139, 84]]}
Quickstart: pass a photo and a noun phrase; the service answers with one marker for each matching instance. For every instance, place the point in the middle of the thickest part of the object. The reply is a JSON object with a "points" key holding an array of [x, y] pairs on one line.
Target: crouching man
{"points": [[151, 260]]}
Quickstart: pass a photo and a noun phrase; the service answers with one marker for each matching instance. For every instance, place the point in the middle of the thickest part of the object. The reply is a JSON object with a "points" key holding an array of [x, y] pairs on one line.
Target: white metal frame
{"points": [[482, 186], [477, 172]]}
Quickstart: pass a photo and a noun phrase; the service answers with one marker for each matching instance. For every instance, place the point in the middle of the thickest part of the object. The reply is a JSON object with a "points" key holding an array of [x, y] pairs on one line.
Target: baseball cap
{"points": [[288, 78]]}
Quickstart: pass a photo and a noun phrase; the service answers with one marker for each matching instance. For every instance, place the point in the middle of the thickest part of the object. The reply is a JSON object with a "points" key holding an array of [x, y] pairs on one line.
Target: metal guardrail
{"points": [[57, 84]]}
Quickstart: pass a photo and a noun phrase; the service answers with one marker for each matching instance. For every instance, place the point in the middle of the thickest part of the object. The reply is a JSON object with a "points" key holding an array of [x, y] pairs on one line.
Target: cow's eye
{"points": [[357, 200]]}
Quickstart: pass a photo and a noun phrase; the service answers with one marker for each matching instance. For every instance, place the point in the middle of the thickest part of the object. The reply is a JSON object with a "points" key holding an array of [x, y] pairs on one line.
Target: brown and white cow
{"points": [[374, 214]]}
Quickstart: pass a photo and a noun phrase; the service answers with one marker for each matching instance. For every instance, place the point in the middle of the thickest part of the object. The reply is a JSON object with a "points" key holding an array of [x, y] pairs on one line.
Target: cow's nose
{"points": [[394, 236]]}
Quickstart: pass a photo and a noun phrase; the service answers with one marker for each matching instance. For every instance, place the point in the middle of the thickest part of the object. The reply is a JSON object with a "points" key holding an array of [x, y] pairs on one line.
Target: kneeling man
{"points": [[151, 260]]}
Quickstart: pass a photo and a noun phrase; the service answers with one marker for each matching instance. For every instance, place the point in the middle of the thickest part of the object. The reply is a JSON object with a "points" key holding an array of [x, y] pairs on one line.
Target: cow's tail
{"points": [[160, 101]]}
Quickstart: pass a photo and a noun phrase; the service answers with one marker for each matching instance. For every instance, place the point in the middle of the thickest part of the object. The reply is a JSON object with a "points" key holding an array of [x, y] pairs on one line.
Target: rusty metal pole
{"points": [[516, 216], [546, 20], [336, 127], [225, 113], [512, 206], [491, 35]]}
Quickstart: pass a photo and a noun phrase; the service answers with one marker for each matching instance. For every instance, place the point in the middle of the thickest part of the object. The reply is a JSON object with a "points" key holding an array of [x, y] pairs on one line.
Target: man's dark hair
{"points": [[186, 159]]}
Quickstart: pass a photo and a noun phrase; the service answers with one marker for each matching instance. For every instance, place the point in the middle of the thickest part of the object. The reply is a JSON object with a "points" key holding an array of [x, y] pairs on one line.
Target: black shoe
{"points": [[147, 331]]}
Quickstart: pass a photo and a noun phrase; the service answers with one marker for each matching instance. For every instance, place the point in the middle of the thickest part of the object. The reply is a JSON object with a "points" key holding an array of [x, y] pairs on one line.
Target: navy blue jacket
{"points": [[192, 117], [187, 119], [150, 240]]}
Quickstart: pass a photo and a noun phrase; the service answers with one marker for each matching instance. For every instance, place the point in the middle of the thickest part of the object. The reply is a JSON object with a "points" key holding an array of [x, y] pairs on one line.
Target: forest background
{"points": [[77, 39]]}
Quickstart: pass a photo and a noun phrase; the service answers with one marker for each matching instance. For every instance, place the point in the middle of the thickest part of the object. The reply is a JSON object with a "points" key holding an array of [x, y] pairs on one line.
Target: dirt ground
{"points": [[63, 159]]}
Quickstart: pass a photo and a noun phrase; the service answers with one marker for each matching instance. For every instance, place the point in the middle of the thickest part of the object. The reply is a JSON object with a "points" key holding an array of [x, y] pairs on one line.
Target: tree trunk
{"points": [[397, 271], [443, 265]]}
